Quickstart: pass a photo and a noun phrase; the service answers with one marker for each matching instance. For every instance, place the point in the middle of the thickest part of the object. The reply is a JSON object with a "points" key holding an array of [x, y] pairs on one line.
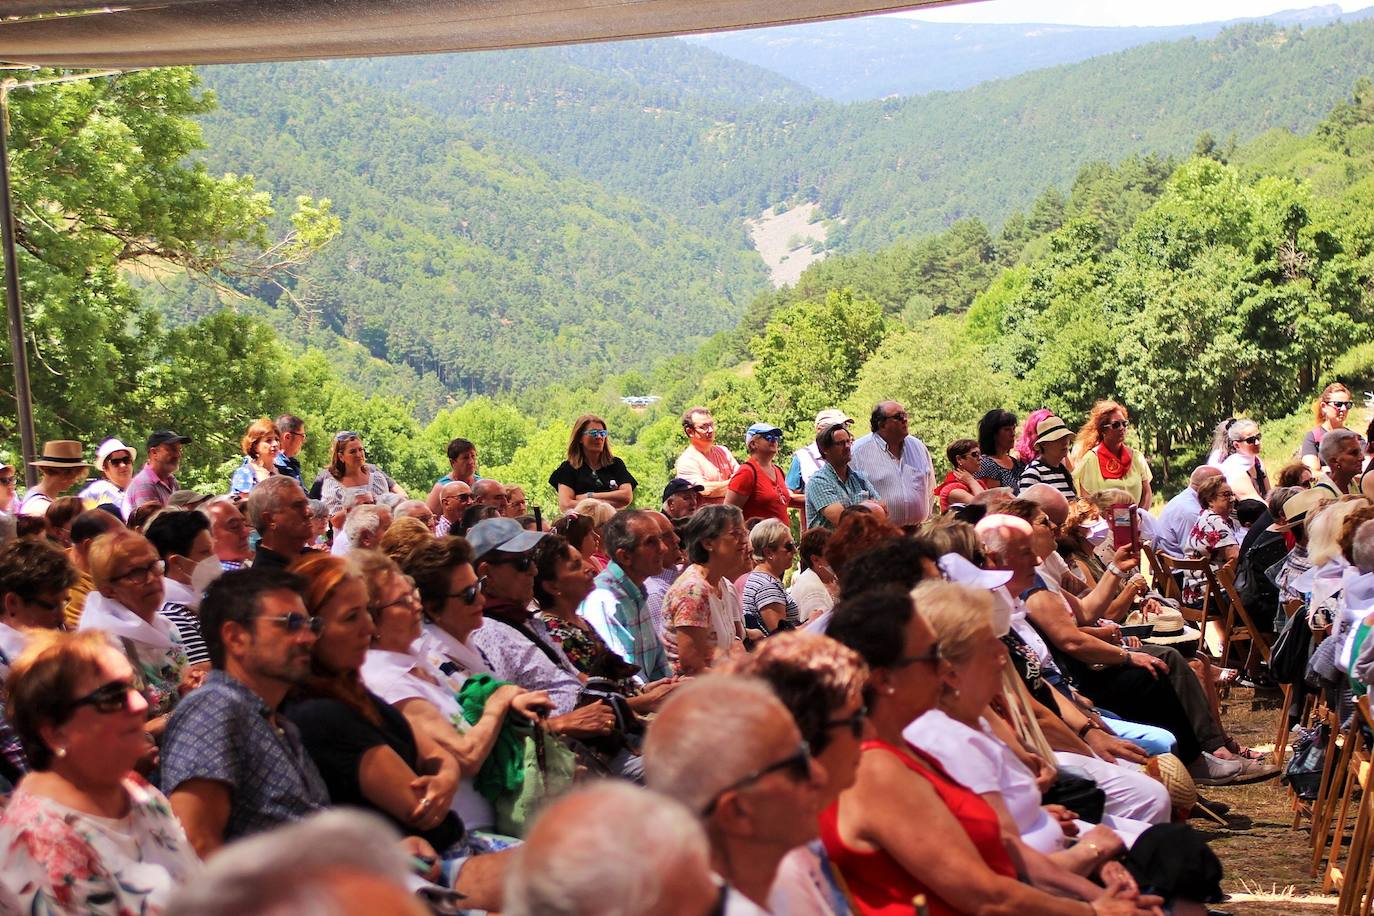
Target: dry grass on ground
{"points": [[1266, 861]]}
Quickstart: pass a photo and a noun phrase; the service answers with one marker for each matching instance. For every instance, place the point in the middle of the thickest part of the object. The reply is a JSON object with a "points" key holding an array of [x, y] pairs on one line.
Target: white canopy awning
{"points": [[145, 33]]}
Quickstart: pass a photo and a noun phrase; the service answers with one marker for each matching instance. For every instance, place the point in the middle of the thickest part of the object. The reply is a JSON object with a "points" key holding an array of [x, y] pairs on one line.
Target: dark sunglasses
{"points": [[769, 437], [469, 594], [6, 481], [789, 546], [126, 460], [797, 764], [854, 723], [1341, 405], [933, 657], [1117, 424], [1250, 440], [346, 434], [595, 433], [294, 623], [901, 415], [522, 562], [107, 699]]}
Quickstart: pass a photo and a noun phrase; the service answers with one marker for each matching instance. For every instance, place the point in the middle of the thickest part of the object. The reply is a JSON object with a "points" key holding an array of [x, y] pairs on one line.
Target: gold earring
{"points": [[59, 752]]}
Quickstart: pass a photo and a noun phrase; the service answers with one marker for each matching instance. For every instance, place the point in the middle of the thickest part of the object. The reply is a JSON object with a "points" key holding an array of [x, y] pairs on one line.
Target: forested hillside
{"points": [[459, 254]]}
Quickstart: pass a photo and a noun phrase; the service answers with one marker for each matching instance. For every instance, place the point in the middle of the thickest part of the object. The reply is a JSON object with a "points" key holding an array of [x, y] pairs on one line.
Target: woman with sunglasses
{"points": [[349, 472], [1330, 411], [961, 484], [83, 833], [1101, 458], [1236, 451], [767, 606], [590, 469], [125, 606], [116, 463], [906, 826], [822, 685], [417, 689], [365, 750], [759, 487]]}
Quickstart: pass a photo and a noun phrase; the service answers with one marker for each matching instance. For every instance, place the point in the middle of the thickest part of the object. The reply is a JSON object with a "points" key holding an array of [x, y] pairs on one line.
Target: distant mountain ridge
{"points": [[880, 56]]}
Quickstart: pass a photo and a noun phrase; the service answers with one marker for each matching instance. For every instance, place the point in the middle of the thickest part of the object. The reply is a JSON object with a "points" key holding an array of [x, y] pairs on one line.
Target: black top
{"points": [[337, 737], [585, 480], [267, 558]]}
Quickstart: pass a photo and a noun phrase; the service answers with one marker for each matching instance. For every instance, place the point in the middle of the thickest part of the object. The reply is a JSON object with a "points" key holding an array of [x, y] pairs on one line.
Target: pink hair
{"points": [[1025, 443]]}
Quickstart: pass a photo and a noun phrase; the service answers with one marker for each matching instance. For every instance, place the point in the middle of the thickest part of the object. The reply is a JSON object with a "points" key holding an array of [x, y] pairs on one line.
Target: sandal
{"points": [[1226, 677], [1244, 753]]}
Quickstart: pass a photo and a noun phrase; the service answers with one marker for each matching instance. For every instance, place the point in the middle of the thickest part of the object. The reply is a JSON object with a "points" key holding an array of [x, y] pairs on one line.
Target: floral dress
{"points": [[589, 653], [59, 860], [1210, 533]]}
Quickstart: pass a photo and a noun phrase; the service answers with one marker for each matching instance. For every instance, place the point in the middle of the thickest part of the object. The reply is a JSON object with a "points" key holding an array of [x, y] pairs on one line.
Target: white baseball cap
{"points": [[109, 447]]}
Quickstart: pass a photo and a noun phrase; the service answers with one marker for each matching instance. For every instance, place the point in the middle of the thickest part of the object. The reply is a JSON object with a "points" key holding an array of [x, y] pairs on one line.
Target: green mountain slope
{"points": [[461, 255]]}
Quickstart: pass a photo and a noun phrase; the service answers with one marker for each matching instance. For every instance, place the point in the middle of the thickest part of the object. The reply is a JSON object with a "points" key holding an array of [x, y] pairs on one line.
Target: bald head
{"points": [[490, 492], [454, 499], [1050, 500], [1200, 475], [612, 848], [1004, 537]]}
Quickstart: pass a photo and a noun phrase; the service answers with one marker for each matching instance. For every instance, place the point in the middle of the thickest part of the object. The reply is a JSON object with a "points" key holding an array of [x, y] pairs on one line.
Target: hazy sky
{"points": [[1119, 12]]}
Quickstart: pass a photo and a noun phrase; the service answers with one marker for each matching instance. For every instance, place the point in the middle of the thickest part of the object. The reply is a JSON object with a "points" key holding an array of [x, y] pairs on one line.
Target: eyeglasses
{"points": [[122, 462], [706, 428], [1117, 424], [974, 454], [142, 573], [797, 764], [900, 415], [1341, 405], [409, 598], [789, 546], [469, 594], [6, 481], [855, 723], [461, 497], [294, 623], [933, 657], [1305, 484], [1250, 440], [595, 433], [522, 563], [769, 437], [107, 699]]}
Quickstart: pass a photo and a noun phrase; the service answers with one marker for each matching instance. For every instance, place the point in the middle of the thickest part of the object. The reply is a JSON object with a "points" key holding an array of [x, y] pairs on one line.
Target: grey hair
{"points": [[767, 534], [1278, 497], [318, 510], [995, 531], [355, 498], [408, 507], [361, 519], [608, 850], [288, 871], [1362, 547], [709, 734], [265, 498], [618, 534], [9, 528], [1332, 443], [707, 523], [389, 500]]}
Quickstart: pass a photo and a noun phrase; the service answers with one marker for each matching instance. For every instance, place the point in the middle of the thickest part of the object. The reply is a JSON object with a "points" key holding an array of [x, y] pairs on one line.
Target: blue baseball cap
{"points": [[760, 429]]}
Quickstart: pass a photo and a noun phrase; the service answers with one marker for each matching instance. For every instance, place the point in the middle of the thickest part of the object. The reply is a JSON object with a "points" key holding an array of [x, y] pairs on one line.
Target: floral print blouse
{"points": [[59, 860], [1210, 533], [589, 653]]}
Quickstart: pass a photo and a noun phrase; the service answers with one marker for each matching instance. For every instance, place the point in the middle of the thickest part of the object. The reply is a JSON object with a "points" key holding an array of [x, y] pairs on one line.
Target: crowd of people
{"points": [[850, 686]]}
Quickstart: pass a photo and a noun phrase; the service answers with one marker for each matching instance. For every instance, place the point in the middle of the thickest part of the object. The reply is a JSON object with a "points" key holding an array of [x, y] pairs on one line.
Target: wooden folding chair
{"points": [[1346, 780], [1161, 580], [1237, 625], [1354, 880], [1171, 565], [1330, 789], [1306, 714]]}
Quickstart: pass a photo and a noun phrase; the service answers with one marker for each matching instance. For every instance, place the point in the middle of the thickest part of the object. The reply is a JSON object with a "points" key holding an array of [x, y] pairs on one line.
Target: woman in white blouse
{"points": [[971, 742]]}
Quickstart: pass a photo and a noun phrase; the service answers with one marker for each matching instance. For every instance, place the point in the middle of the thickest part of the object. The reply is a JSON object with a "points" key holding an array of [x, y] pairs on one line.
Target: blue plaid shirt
{"points": [[618, 610], [825, 488]]}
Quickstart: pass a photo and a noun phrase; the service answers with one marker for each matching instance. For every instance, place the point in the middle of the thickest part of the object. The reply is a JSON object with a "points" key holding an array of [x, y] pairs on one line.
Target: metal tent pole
{"points": [[23, 397]]}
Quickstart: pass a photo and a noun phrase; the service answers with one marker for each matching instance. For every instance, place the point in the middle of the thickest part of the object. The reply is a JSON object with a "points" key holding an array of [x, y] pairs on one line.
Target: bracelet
{"points": [[1125, 656], [1083, 732], [1115, 570]]}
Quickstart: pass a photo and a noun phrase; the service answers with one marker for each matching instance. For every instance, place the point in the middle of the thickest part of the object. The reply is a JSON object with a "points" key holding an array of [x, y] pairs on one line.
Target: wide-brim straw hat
{"points": [[1174, 776], [1299, 506], [61, 454], [1170, 629]]}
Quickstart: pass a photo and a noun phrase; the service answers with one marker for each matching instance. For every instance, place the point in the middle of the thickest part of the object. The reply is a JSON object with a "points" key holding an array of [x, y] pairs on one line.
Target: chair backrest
{"points": [[1162, 581], [1172, 565], [1226, 577]]}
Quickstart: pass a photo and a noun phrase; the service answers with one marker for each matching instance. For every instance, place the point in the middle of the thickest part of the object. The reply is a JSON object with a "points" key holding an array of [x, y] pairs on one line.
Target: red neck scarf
{"points": [[1113, 467]]}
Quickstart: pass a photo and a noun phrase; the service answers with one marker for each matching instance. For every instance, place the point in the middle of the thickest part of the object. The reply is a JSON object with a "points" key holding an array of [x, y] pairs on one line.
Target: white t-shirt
{"points": [[984, 764], [810, 595]]}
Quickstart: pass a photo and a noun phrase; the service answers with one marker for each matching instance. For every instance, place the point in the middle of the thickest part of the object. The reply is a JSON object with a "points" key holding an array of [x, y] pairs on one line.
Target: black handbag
{"points": [[1288, 659], [1079, 794]]}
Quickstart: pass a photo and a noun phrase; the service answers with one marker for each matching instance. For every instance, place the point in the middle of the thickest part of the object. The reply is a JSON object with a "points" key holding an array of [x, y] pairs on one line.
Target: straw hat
{"points": [[1297, 508], [60, 454], [1170, 771], [1170, 629]]}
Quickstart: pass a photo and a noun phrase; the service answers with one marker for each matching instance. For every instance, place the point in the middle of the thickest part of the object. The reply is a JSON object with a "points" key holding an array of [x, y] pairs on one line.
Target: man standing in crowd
{"points": [[1181, 512], [280, 512], [228, 532], [681, 497], [897, 464], [703, 462], [291, 434], [157, 481], [231, 766], [807, 460], [454, 500], [837, 485], [462, 463], [725, 747], [616, 608]]}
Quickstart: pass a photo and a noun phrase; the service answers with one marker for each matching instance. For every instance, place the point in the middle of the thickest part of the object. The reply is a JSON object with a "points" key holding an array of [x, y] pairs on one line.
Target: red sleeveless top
{"points": [[877, 883]]}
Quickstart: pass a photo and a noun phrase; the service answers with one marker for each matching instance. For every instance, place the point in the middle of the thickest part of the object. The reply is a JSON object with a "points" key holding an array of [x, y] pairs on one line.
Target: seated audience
{"points": [[279, 511], [727, 749], [814, 587], [517, 506], [1000, 466], [88, 526], [417, 509], [590, 469], [83, 833], [403, 536], [229, 533], [616, 607], [1212, 538], [454, 499], [701, 617], [59, 518]]}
